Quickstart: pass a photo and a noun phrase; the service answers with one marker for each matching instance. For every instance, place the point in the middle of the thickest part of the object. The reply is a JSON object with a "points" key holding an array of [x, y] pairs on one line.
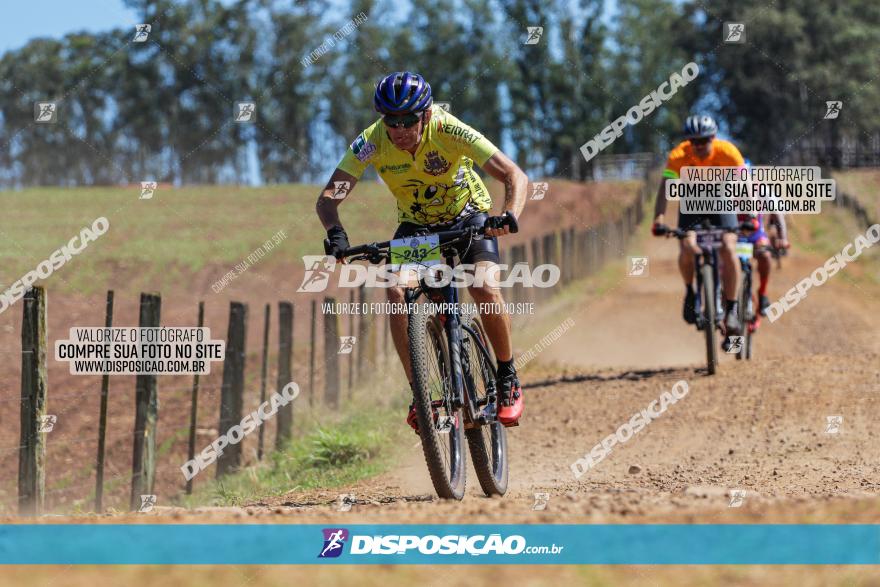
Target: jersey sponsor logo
{"points": [[458, 132], [395, 168], [435, 164], [362, 148]]}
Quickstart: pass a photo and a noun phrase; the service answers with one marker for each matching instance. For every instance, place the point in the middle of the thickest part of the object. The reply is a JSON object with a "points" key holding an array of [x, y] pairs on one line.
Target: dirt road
{"points": [[760, 427]]}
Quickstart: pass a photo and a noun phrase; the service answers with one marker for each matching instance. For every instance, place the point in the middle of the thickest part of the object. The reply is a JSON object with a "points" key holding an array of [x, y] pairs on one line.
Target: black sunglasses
{"points": [[701, 141], [406, 121]]}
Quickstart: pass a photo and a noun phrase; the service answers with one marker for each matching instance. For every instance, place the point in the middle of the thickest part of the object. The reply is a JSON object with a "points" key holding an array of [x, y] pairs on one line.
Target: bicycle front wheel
{"points": [[488, 442], [440, 426], [746, 316], [708, 293]]}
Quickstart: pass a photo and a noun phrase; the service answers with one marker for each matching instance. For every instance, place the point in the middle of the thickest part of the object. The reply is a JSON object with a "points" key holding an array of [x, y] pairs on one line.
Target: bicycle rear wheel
{"points": [[442, 437], [708, 293], [488, 442]]}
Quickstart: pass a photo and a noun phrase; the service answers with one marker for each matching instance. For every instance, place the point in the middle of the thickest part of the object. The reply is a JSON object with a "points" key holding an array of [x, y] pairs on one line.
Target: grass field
{"points": [[172, 235], [159, 243], [863, 184]]}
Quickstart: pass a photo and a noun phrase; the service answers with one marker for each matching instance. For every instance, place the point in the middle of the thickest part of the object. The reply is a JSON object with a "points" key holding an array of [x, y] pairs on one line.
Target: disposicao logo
{"points": [[334, 541]]}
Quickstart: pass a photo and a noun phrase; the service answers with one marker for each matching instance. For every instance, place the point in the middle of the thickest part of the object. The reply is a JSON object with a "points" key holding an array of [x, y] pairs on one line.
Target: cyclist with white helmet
{"points": [[426, 157], [702, 149]]}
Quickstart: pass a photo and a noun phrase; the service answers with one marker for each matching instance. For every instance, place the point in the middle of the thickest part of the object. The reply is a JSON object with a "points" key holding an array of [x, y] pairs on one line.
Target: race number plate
{"points": [[709, 238], [745, 250], [414, 252]]}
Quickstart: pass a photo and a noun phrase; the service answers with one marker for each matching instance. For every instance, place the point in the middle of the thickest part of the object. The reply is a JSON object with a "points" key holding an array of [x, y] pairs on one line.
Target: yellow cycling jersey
{"points": [[439, 183]]}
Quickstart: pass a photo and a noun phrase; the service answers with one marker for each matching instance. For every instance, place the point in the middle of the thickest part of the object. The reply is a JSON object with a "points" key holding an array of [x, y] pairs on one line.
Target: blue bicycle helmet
{"points": [[402, 92]]}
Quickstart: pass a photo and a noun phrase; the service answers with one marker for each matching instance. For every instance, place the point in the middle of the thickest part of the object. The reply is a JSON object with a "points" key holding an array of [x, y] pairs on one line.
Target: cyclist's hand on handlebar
{"points": [[749, 225], [336, 242], [504, 224], [659, 229], [781, 243]]}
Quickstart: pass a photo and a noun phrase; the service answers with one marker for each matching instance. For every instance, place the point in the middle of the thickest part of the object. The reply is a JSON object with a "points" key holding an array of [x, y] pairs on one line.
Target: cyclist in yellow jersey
{"points": [[426, 157]]}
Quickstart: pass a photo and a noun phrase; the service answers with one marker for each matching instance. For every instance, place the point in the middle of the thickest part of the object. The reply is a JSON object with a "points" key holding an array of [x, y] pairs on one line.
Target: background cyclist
{"points": [[702, 149], [761, 241], [426, 157]]}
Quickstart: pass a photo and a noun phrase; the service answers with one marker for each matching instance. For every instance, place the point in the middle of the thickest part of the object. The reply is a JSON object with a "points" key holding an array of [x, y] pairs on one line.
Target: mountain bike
{"points": [[707, 304], [746, 306], [454, 371]]}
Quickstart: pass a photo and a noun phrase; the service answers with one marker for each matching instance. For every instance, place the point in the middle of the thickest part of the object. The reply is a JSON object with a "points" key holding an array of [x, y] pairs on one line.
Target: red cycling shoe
{"points": [[511, 401]]}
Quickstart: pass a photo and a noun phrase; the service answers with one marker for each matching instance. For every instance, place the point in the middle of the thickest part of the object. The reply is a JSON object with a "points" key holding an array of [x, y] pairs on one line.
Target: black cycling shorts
{"points": [[694, 221], [485, 249]]}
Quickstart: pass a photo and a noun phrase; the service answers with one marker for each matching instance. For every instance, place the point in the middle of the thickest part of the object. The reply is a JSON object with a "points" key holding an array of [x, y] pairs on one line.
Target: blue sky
{"points": [[24, 20]]}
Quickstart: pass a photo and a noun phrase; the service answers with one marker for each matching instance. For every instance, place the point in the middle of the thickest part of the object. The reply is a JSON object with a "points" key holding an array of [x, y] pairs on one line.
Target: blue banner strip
{"points": [[439, 544]]}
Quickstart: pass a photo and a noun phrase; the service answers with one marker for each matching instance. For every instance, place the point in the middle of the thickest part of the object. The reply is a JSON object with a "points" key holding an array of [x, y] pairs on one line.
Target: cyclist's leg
{"points": [[486, 292], [730, 272], [687, 249], [490, 302], [399, 323], [762, 255]]}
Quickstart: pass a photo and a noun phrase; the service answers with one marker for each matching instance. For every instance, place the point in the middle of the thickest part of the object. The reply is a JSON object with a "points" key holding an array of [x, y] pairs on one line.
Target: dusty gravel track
{"points": [[760, 429]]}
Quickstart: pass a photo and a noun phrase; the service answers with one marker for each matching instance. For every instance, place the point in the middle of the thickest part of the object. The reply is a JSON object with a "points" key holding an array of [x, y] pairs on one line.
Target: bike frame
{"points": [[707, 254], [453, 327]]}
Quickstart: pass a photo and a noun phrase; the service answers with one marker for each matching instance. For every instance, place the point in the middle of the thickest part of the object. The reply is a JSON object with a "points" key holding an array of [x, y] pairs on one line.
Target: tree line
{"points": [[162, 109]]}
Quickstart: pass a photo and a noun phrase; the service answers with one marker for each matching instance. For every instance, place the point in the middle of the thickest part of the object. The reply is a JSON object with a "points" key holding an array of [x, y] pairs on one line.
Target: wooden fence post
{"points": [[285, 374], [143, 464], [232, 389], [331, 358], [351, 332], [365, 342], [583, 254], [32, 454], [263, 368], [102, 417], [537, 259], [194, 408], [386, 327], [314, 344], [516, 290], [593, 243]]}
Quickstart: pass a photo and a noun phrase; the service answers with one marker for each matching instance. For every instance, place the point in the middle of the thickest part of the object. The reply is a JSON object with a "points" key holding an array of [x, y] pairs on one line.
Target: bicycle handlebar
{"points": [[376, 252], [663, 230]]}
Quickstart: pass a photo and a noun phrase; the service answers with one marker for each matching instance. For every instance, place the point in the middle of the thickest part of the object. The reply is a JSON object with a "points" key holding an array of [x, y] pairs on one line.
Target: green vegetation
{"points": [[360, 443], [163, 109], [165, 239], [864, 185]]}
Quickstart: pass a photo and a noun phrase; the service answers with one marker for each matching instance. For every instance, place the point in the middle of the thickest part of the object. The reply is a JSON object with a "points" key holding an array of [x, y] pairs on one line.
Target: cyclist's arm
{"points": [[660, 202], [779, 220], [674, 163], [516, 182], [327, 205]]}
